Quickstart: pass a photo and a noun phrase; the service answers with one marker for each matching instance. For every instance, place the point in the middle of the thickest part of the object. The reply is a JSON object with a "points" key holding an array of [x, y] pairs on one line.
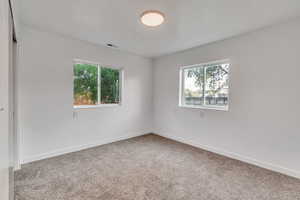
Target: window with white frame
{"points": [[205, 85], [96, 85]]}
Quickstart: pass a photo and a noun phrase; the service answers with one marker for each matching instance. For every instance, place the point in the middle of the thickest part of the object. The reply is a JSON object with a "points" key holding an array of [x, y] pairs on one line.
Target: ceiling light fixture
{"points": [[152, 18]]}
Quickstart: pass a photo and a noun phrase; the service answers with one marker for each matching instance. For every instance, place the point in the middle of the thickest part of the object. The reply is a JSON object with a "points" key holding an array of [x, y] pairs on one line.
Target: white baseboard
{"points": [[78, 148], [236, 156], [11, 183], [17, 166]]}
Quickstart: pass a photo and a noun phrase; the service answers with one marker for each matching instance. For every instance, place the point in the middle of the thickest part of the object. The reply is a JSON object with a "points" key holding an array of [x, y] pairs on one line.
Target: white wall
{"points": [[45, 96], [5, 41], [262, 124]]}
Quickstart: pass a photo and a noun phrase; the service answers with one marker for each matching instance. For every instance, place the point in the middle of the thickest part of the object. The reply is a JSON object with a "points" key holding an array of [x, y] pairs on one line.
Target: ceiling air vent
{"points": [[111, 45]]}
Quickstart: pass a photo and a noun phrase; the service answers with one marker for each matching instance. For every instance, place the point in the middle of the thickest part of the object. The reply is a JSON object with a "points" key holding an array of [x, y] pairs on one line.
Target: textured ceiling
{"points": [[189, 23]]}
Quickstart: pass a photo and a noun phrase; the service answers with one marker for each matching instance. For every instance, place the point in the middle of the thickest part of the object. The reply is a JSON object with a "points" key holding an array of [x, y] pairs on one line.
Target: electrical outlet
{"points": [[202, 114], [75, 115]]}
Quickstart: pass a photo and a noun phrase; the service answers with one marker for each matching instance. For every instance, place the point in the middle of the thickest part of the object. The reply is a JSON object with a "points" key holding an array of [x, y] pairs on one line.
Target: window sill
{"points": [[220, 108], [95, 106]]}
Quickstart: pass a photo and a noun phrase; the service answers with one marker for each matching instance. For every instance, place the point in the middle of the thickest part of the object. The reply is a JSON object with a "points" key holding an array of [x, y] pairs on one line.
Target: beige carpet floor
{"points": [[150, 168]]}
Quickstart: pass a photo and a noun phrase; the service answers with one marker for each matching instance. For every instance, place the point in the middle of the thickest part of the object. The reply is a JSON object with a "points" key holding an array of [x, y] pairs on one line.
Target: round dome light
{"points": [[152, 18]]}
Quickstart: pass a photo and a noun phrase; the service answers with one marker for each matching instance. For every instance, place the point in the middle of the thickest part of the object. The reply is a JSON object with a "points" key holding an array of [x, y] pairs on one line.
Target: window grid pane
{"points": [[110, 86], [193, 86], [95, 85], [205, 85], [85, 84], [216, 85]]}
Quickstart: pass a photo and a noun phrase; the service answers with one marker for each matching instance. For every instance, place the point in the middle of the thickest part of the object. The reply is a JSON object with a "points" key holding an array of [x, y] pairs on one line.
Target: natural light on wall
{"points": [[152, 18]]}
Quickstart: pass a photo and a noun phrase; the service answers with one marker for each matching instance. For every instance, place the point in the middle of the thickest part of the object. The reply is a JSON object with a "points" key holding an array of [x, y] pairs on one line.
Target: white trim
{"points": [[80, 147], [17, 167], [121, 85], [181, 86], [98, 84], [95, 106], [269, 166], [207, 63], [221, 108], [262, 164], [11, 177], [81, 61]]}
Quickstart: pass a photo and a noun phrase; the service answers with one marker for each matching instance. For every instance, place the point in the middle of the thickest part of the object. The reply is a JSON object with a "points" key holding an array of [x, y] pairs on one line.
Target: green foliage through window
{"points": [[95, 85], [109, 85]]}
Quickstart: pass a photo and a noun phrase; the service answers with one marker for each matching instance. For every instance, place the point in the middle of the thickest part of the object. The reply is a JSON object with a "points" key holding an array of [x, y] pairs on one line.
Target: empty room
{"points": [[149, 100]]}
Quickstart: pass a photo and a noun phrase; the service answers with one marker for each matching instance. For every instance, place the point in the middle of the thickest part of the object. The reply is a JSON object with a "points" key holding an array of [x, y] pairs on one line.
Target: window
{"points": [[96, 85], [205, 86]]}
